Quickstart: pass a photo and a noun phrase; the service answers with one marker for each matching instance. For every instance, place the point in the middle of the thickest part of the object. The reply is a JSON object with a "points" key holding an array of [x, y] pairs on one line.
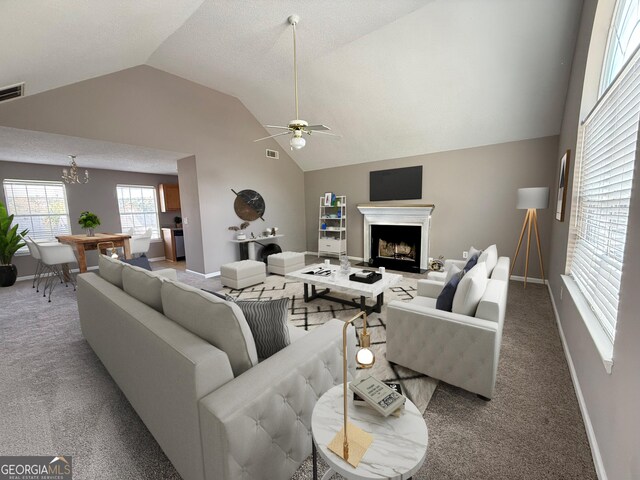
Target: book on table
{"points": [[382, 398], [359, 402]]}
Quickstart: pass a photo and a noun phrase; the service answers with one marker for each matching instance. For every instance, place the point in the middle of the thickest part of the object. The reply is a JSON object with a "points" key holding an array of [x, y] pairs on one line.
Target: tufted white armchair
{"points": [[457, 349]]}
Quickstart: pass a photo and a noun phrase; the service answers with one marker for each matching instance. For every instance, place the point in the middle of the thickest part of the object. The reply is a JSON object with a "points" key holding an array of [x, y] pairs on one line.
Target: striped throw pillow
{"points": [[268, 323]]}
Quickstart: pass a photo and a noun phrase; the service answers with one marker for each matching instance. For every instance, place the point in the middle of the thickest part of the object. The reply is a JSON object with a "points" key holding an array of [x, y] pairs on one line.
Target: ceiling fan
{"points": [[297, 127]]}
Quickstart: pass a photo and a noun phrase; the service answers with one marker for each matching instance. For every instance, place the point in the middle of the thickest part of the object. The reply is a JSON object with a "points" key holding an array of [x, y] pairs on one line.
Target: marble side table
{"points": [[399, 445]]}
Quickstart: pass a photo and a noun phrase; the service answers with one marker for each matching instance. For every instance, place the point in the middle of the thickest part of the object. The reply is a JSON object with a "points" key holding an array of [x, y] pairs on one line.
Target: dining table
{"points": [[83, 243]]}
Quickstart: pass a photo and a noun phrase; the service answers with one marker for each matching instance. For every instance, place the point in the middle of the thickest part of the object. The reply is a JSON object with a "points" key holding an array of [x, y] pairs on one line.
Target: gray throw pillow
{"points": [[268, 323]]}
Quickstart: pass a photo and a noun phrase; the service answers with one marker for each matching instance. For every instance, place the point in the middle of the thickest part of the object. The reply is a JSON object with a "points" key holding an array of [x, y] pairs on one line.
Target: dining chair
{"points": [[55, 258]]}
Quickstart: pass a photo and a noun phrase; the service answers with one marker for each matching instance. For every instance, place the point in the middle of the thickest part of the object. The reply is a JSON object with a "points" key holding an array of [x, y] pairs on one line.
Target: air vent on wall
{"points": [[12, 91], [273, 154]]}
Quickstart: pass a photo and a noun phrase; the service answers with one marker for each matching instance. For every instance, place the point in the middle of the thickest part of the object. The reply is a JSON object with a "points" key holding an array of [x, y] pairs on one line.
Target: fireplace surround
{"points": [[397, 236]]}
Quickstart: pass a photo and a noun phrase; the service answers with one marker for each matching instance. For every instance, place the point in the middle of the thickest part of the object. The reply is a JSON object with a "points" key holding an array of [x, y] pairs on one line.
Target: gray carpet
{"points": [[56, 398]]}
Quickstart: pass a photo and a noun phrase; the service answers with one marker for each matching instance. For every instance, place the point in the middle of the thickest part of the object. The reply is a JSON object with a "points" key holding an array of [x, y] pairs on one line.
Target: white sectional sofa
{"points": [[216, 412], [459, 349]]}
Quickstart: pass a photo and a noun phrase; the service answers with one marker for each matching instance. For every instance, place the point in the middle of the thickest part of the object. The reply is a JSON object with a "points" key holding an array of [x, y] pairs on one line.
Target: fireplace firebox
{"points": [[396, 247]]}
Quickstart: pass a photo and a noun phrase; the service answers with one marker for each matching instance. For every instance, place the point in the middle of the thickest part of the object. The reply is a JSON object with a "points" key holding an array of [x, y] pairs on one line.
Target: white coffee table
{"points": [[399, 445], [341, 283]]}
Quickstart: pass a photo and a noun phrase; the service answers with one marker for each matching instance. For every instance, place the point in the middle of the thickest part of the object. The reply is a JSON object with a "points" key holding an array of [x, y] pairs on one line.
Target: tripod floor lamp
{"points": [[531, 200]]}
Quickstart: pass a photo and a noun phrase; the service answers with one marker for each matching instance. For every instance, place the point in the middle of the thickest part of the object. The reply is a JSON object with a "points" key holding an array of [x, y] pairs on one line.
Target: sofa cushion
{"points": [[490, 257], [141, 261], [111, 270], [267, 320], [220, 323], [445, 299], [470, 290], [471, 263], [474, 251], [451, 270], [142, 285]]}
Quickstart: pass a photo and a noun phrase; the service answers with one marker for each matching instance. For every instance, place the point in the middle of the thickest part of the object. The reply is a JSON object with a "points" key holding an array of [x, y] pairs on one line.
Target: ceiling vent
{"points": [[12, 91], [273, 154]]}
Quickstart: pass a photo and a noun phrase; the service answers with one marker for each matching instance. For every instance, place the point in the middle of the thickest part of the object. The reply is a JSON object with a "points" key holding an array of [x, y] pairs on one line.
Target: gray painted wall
{"points": [[474, 191], [190, 202], [98, 196], [611, 400], [151, 108]]}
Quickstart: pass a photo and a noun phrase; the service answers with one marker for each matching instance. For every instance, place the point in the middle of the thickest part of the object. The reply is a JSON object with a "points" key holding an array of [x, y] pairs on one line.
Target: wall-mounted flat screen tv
{"points": [[395, 184]]}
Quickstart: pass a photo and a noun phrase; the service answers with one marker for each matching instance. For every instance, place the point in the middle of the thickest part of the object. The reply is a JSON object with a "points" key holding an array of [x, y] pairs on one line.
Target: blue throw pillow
{"points": [[445, 299], [470, 263], [142, 262]]}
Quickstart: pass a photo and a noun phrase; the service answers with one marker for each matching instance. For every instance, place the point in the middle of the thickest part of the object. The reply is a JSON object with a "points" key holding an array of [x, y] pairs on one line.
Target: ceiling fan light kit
{"points": [[297, 127]]}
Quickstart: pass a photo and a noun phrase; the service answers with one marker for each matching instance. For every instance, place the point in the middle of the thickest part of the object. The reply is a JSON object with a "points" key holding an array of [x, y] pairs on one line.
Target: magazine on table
{"points": [[382, 398], [320, 271]]}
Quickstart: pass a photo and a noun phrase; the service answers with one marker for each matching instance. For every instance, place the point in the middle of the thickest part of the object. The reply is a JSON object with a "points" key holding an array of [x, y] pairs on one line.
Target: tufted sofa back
{"points": [[259, 425]]}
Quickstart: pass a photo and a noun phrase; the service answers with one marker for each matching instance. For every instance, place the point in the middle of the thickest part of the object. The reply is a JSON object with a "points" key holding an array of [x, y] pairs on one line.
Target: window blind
{"points": [[138, 206], [604, 173], [38, 206]]}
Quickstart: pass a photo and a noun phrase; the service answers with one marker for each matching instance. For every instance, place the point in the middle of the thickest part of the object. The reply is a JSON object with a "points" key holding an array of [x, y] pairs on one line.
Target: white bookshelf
{"points": [[332, 239]]}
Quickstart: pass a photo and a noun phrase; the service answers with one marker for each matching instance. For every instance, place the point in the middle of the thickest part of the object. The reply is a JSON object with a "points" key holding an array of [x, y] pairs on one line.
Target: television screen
{"points": [[396, 184]]}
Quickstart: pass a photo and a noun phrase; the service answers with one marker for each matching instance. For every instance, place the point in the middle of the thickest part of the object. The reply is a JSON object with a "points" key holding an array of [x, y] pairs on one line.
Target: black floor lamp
{"points": [[531, 200]]}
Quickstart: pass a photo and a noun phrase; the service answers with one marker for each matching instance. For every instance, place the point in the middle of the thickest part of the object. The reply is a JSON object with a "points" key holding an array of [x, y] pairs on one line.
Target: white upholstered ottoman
{"points": [[242, 274], [285, 262]]}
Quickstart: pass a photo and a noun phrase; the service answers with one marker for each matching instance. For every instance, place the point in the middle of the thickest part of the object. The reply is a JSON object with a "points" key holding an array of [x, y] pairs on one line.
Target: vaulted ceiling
{"points": [[394, 78]]}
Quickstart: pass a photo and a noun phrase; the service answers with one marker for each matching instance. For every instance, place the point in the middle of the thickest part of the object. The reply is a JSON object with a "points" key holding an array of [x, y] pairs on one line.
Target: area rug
{"points": [[419, 388]]}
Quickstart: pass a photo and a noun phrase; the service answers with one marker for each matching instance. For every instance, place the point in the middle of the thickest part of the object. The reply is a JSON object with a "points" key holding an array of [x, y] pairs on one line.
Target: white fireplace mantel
{"points": [[407, 214]]}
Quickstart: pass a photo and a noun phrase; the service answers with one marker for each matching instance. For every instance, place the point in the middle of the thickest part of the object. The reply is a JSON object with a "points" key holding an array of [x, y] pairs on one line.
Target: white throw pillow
{"points": [[474, 251], [490, 257], [470, 290], [452, 270]]}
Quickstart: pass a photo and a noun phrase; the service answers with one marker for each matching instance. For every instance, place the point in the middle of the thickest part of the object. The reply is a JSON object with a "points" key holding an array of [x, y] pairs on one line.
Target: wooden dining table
{"points": [[82, 243]]}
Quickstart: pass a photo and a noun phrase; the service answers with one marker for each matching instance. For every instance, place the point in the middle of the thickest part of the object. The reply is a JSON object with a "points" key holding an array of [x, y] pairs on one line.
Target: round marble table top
{"points": [[399, 443]]}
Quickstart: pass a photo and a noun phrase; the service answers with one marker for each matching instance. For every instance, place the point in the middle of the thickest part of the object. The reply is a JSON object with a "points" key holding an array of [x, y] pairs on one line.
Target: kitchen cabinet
{"points": [[169, 197]]}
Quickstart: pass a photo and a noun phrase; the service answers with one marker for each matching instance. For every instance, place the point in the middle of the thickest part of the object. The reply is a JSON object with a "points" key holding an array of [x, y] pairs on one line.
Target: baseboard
{"points": [[518, 278], [157, 259], [591, 434], [73, 270], [204, 275]]}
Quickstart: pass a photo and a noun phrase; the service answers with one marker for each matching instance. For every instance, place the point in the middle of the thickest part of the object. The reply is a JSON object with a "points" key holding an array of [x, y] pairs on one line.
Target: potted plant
{"points": [[89, 221], [10, 243], [240, 235]]}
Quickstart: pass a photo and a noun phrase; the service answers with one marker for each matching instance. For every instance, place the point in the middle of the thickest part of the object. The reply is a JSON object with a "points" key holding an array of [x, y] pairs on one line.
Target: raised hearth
{"points": [[397, 236]]}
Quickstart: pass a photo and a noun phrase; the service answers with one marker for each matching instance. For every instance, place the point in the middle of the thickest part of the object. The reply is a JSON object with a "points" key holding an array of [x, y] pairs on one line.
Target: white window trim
{"points": [[24, 252], [601, 340], [157, 212]]}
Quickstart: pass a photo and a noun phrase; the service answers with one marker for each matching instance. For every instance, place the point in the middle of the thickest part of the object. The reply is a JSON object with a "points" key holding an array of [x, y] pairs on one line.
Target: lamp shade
{"points": [[536, 197]]}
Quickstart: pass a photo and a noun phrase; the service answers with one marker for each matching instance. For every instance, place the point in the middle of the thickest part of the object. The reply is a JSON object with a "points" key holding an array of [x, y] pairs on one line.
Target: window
{"points": [[605, 159], [138, 205], [624, 38], [40, 207]]}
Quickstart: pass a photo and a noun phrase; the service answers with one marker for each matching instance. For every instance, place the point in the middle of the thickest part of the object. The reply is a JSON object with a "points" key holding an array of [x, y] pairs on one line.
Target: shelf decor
{"points": [[332, 225]]}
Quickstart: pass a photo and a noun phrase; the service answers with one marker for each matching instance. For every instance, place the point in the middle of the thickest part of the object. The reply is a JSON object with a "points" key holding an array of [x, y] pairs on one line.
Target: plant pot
{"points": [[8, 275], [91, 232], [241, 236]]}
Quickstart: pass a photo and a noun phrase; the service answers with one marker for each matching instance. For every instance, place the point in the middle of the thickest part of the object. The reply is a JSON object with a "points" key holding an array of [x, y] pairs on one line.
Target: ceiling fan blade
{"points": [[317, 127], [276, 126], [325, 133], [271, 136]]}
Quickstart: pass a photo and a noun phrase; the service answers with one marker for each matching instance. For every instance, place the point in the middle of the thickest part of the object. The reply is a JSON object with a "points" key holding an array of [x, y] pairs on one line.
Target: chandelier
{"points": [[71, 175]]}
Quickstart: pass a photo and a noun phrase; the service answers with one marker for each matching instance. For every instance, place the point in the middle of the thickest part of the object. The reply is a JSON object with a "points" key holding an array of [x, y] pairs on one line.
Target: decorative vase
{"points": [[91, 232], [8, 275]]}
